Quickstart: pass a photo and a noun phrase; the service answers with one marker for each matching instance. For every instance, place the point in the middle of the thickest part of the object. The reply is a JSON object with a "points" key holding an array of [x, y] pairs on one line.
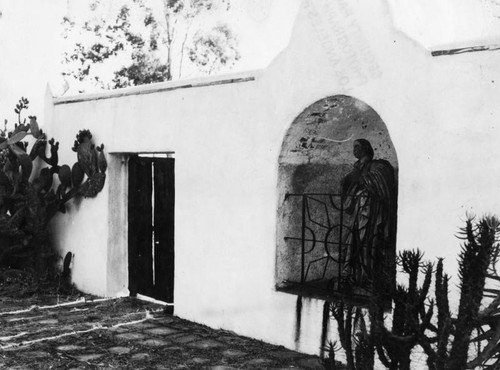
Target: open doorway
{"points": [[151, 201]]}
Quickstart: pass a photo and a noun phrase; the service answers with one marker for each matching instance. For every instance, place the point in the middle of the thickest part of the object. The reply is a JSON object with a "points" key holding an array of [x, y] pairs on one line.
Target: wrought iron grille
{"points": [[329, 236]]}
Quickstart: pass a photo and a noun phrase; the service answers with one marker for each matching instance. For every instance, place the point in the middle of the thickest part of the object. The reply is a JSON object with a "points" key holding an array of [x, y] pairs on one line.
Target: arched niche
{"points": [[316, 155]]}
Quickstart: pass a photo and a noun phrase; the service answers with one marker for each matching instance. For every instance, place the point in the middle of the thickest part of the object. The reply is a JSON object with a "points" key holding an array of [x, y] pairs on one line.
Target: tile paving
{"points": [[129, 334]]}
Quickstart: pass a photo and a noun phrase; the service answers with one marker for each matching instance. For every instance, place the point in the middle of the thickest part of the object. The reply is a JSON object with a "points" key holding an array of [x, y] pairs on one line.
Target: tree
{"points": [[214, 50], [133, 42]]}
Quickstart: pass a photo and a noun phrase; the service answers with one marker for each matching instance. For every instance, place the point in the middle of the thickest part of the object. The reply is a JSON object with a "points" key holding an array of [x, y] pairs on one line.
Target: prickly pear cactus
{"points": [[92, 162], [29, 200]]}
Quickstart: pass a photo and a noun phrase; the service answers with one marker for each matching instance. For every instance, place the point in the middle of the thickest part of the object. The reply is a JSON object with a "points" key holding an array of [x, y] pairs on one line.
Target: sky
{"points": [[31, 45], [31, 42], [441, 24]]}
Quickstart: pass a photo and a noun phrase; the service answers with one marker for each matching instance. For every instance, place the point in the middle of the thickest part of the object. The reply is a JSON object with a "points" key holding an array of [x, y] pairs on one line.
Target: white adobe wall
{"points": [[441, 112]]}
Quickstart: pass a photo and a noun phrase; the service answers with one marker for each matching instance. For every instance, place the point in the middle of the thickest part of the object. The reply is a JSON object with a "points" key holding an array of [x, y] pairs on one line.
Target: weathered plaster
{"points": [[117, 257], [315, 156]]}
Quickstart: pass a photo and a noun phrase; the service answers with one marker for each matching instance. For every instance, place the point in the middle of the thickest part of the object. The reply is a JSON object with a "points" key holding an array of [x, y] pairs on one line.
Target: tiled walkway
{"points": [[128, 334]]}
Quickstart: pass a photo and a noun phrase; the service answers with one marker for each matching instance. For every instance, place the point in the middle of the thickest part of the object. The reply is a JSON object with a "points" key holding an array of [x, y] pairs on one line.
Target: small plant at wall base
{"points": [[465, 340], [29, 198]]}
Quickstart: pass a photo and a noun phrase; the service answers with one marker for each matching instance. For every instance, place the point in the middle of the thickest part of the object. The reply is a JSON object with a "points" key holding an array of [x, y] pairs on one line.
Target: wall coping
{"points": [[240, 77]]}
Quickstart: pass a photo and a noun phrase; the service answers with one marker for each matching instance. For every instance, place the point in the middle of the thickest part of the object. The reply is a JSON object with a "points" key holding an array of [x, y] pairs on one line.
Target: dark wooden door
{"points": [[151, 227], [164, 196]]}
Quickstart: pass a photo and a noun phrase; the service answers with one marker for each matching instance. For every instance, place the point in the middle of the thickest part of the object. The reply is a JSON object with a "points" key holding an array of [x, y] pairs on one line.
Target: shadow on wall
{"points": [[316, 155]]}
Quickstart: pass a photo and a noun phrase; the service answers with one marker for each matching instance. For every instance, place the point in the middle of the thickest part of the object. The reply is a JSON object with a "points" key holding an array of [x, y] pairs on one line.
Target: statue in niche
{"points": [[369, 194]]}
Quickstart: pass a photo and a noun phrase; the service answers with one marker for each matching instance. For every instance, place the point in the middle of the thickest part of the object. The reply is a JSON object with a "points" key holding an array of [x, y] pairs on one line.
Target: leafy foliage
{"points": [[145, 69], [133, 42], [213, 50]]}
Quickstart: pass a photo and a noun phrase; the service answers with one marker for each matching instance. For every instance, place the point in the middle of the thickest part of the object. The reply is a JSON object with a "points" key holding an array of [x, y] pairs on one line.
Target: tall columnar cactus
{"points": [[411, 318], [439, 355], [417, 320], [411, 314], [348, 318], [29, 200], [474, 261]]}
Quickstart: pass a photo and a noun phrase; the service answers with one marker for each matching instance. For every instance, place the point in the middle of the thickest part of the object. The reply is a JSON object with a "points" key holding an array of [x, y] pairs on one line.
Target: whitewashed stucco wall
{"points": [[441, 113]]}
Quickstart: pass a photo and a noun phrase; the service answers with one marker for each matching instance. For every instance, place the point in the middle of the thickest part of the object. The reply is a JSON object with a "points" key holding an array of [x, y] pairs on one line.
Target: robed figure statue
{"points": [[369, 194]]}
